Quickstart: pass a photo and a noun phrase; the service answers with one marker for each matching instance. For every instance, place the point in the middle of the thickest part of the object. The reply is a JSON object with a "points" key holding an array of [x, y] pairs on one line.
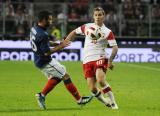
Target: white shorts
{"points": [[54, 69]]}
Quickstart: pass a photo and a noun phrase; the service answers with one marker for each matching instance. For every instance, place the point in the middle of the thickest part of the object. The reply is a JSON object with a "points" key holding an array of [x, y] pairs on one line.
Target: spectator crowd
{"points": [[124, 17]]}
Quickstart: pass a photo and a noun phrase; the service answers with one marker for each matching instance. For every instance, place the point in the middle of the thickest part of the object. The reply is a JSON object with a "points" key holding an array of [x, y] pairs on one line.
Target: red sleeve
{"points": [[110, 36], [83, 28]]}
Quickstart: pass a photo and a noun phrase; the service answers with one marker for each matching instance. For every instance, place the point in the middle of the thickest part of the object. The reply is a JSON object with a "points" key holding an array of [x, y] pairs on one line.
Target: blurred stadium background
{"points": [[136, 24], [127, 18]]}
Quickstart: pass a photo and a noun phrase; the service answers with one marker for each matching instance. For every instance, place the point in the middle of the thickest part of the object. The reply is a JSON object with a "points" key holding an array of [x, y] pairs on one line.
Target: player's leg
{"points": [[51, 83], [91, 81], [54, 77], [71, 87], [100, 76], [95, 91], [58, 70], [74, 91]]}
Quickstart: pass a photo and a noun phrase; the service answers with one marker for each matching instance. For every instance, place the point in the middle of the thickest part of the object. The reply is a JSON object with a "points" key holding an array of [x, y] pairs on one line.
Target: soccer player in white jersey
{"points": [[95, 62]]}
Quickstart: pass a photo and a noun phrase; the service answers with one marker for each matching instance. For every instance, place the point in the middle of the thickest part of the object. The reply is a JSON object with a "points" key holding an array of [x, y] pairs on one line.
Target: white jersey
{"points": [[96, 51]]}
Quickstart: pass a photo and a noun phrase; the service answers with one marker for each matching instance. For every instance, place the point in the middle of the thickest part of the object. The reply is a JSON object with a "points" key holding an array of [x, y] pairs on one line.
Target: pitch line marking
{"points": [[144, 67]]}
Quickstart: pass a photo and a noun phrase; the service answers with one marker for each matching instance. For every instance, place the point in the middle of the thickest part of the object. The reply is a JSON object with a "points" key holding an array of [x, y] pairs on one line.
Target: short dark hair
{"points": [[99, 9], [43, 15]]}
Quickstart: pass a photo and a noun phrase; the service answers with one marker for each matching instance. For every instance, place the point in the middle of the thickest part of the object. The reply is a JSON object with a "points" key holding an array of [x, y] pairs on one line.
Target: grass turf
{"points": [[135, 85]]}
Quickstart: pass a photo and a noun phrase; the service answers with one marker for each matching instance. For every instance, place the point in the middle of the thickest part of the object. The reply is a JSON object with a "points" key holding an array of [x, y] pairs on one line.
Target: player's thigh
{"points": [[54, 69], [88, 70], [100, 74]]}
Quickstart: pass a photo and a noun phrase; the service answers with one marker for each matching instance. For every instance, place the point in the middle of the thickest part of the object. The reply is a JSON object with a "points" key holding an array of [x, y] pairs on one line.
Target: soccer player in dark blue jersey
{"points": [[54, 71]]}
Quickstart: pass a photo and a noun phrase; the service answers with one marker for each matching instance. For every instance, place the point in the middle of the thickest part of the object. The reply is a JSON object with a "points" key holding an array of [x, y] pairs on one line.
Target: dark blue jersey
{"points": [[40, 44]]}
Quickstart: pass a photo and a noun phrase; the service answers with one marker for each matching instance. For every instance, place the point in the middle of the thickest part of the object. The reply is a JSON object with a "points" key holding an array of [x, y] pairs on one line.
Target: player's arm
{"points": [[71, 36], [112, 42], [80, 30], [112, 56], [114, 53], [62, 45]]}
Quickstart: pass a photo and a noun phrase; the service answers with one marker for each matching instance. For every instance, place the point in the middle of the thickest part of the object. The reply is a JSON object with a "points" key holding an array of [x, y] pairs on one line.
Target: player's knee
{"points": [[94, 90], [66, 79], [102, 83]]}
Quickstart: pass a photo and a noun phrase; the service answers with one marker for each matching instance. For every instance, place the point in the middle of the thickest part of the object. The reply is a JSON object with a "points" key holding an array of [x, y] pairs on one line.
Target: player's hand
{"points": [[110, 65]]}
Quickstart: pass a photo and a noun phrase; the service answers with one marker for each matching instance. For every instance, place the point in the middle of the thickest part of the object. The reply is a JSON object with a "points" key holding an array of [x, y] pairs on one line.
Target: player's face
{"points": [[49, 21], [98, 17]]}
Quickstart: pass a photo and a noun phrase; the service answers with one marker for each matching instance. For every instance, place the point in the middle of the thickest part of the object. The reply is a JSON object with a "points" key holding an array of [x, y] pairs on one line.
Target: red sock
{"points": [[72, 89], [50, 85], [107, 89]]}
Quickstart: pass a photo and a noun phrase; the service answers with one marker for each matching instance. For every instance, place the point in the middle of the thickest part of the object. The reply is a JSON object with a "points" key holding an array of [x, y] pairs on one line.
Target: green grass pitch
{"points": [[136, 87]]}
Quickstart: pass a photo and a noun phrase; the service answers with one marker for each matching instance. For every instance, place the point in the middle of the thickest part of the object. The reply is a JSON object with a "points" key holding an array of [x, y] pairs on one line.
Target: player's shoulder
{"points": [[106, 28], [33, 30], [89, 24], [83, 27], [40, 32]]}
